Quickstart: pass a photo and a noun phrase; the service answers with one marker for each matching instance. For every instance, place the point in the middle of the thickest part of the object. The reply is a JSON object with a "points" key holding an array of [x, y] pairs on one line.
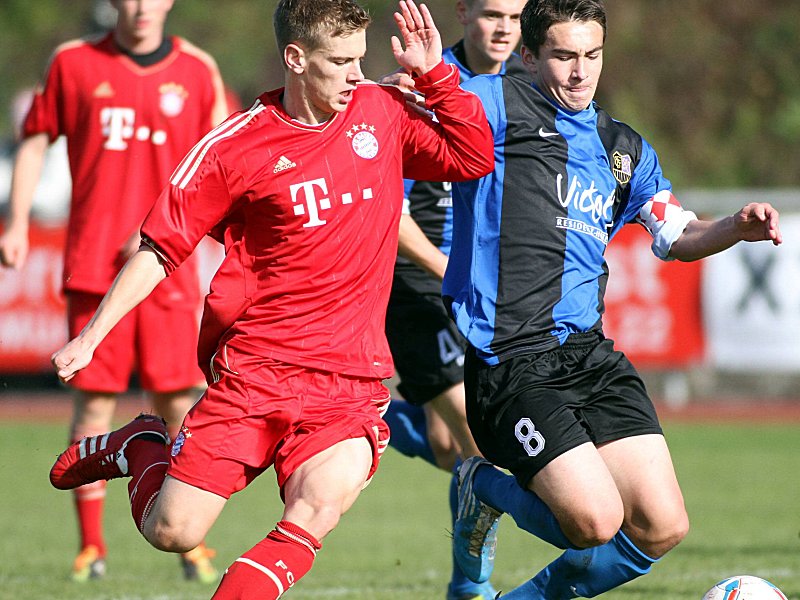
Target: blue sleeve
{"points": [[646, 182], [407, 185], [489, 88]]}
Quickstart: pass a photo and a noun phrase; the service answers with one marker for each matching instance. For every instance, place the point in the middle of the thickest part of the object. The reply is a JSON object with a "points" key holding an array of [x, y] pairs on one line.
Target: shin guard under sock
{"points": [[587, 573], [90, 500], [270, 567], [147, 464]]}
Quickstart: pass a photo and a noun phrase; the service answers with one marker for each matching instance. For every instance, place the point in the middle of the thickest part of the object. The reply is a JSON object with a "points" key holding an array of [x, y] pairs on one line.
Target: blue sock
{"points": [[409, 433], [586, 573], [530, 513]]}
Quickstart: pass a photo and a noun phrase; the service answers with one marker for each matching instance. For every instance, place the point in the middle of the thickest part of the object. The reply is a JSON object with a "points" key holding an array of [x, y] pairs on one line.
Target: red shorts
{"points": [[262, 412], [158, 339]]}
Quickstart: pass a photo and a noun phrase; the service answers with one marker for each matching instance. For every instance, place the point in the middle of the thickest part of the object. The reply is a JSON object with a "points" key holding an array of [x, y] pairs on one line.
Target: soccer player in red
{"points": [[130, 105], [305, 190]]}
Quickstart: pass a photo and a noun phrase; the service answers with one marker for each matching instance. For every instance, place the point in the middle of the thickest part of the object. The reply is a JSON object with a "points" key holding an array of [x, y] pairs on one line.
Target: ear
{"points": [[461, 12], [529, 60], [295, 58]]}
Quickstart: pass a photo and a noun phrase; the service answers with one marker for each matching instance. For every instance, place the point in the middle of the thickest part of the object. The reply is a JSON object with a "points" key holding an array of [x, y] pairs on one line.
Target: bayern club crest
{"points": [[172, 99], [362, 137]]}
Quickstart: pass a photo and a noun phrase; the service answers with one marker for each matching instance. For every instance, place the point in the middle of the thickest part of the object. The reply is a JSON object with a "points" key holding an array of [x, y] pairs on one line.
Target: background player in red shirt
{"points": [[305, 190], [130, 105]]}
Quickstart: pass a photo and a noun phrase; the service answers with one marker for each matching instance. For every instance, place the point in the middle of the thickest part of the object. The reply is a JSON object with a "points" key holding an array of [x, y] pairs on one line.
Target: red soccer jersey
{"points": [[127, 127], [310, 217]]}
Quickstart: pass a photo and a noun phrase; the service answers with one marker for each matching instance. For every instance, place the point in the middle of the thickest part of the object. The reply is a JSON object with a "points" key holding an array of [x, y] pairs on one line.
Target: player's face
{"points": [[569, 63], [140, 21], [332, 72], [491, 31]]}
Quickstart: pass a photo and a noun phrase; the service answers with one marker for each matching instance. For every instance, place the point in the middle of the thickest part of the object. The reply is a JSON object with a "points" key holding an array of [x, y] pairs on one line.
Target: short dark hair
{"points": [[539, 15], [309, 22]]}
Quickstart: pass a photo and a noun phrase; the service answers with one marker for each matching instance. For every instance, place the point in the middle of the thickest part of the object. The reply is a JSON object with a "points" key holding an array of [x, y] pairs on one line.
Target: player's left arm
{"points": [[414, 245], [755, 222]]}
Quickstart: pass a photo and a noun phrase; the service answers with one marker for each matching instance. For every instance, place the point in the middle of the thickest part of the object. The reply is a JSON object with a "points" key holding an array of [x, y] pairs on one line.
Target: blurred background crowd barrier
{"points": [[712, 86]]}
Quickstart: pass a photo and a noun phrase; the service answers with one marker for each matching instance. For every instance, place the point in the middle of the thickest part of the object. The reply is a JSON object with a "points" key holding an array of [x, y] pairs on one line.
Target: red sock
{"points": [[270, 567], [147, 464], [89, 502]]}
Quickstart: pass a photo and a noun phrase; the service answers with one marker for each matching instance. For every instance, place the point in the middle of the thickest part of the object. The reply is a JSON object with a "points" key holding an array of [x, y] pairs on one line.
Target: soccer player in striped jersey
{"points": [[548, 396], [130, 104], [305, 191], [427, 349]]}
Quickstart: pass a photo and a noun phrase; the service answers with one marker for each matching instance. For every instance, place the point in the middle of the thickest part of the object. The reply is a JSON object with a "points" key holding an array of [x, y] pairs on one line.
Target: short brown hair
{"points": [[539, 15], [309, 22]]}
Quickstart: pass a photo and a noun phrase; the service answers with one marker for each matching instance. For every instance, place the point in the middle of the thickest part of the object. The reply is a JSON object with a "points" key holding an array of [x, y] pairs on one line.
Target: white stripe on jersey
{"points": [[189, 165]]}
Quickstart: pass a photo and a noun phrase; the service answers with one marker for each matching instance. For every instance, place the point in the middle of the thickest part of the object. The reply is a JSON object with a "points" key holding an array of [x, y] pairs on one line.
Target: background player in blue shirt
{"points": [[426, 347], [548, 397]]}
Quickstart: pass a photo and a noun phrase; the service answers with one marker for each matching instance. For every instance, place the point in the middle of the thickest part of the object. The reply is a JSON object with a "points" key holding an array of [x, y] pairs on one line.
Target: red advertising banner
{"points": [[33, 324], [653, 307]]}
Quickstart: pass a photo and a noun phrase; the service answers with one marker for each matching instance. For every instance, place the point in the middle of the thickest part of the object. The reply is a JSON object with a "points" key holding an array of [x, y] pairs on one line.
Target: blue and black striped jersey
{"points": [[430, 202], [527, 264]]}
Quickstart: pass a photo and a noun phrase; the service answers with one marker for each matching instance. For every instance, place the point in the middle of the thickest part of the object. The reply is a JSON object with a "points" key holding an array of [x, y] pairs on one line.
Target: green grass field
{"points": [[741, 483]]}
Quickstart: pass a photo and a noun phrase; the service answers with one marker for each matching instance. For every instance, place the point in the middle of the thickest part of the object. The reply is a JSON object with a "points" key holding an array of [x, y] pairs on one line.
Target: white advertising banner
{"points": [[751, 300]]}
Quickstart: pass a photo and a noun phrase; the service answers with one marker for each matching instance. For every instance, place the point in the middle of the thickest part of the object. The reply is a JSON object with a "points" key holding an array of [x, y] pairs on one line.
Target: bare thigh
{"points": [[181, 516], [655, 515], [582, 493], [325, 486]]}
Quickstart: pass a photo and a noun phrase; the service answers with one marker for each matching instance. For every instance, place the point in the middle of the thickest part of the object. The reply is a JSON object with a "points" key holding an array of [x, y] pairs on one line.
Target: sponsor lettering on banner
{"points": [[653, 308]]}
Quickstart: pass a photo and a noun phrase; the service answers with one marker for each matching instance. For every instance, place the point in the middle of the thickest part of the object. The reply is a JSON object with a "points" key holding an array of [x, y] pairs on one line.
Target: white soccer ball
{"points": [[744, 587]]}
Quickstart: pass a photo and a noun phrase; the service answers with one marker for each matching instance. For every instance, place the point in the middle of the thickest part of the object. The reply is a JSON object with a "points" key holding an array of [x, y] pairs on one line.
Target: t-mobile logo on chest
{"points": [[119, 126], [310, 198]]}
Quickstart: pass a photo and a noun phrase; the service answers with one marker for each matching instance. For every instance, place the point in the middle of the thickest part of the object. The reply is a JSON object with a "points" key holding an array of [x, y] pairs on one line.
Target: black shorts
{"points": [[427, 349], [532, 408]]}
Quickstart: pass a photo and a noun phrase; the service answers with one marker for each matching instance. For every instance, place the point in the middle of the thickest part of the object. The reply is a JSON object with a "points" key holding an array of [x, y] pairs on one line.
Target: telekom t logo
{"points": [[119, 126], [309, 204]]}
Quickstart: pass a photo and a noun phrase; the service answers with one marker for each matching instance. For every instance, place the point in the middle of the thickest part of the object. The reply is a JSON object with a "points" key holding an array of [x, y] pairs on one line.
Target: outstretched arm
{"points": [[140, 275], [423, 44], [755, 222]]}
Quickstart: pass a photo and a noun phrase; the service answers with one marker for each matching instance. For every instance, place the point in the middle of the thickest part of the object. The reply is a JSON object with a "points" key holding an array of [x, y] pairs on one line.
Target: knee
{"points": [[444, 450], [172, 535], [661, 537], [592, 529], [665, 536]]}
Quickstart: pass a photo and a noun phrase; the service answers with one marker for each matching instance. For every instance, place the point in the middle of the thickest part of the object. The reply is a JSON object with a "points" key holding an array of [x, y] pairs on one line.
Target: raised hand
{"points": [[423, 44]]}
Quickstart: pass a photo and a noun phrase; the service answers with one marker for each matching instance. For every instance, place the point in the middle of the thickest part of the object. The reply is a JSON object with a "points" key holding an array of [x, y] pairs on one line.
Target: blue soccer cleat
{"points": [[475, 529]]}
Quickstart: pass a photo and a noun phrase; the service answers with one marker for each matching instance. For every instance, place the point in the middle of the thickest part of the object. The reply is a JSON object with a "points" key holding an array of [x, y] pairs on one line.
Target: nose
{"points": [[579, 69], [504, 24], [356, 74]]}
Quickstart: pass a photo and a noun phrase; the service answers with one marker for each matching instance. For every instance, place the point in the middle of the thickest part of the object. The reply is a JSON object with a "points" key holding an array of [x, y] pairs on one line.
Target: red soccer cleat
{"points": [[103, 456]]}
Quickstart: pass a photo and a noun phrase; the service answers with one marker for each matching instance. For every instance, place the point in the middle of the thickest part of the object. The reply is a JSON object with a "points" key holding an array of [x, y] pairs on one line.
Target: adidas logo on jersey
{"points": [[104, 90], [283, 164]]}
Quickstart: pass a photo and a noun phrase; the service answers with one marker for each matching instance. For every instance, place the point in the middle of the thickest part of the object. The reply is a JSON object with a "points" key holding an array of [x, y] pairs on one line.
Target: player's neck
{"points": [[138, 45], [476, 62], [299, 108]]}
